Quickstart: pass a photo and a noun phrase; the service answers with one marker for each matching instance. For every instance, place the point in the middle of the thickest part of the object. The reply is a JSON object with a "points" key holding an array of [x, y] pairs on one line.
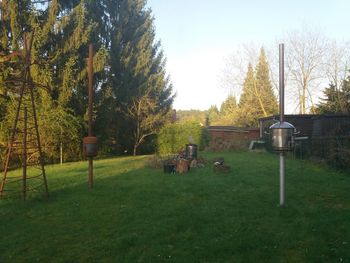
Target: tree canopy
{"points": [[336, 100], [129, 66], [257, 99]]}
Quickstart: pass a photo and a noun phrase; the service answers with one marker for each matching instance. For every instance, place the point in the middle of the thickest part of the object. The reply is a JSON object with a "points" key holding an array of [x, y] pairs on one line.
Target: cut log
{"points": [[182, 166]]}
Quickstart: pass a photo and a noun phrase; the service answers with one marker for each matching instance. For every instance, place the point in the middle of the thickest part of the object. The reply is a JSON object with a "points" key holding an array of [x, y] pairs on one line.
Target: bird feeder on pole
{"points": [[282, 132]]}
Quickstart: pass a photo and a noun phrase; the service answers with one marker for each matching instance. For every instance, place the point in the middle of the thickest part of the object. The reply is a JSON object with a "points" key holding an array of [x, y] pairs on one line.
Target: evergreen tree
{"points": [[57, 67], [128, 66], [197, 116], [137, 69], [257, 99], [61, 43], [346, 95], [336, 100], [248, 87], [228, 111], [267, 99], [248, 104], [213, 115], [14, 20], [228, 106]]}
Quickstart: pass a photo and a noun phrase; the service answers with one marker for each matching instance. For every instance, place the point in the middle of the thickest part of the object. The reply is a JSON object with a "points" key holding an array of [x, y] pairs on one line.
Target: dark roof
{"points": [[313, 125], [230, 128], [306, 116]]}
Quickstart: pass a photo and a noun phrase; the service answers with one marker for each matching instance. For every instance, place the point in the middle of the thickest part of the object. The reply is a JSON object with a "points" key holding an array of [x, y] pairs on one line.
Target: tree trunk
{"points": [[61, 148], [61, 153], [304, 100], [135, 149], [259, 98]]}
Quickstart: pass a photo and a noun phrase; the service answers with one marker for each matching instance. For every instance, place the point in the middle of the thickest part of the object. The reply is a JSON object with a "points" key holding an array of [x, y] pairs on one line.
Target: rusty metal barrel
{"points": [[90, 146]]}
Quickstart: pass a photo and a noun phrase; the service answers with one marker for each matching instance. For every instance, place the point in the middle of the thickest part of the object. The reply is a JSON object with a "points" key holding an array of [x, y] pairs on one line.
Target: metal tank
{"points": [[191, 151], [282, 136]]}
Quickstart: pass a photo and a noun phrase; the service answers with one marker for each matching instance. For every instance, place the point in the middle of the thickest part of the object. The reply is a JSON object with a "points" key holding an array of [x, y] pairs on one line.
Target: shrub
{"points": [[337, 153], [173, 137]]}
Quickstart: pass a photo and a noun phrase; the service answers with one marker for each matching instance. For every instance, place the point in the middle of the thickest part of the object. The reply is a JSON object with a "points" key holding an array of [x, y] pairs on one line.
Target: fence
{"points": [[326, 137]]}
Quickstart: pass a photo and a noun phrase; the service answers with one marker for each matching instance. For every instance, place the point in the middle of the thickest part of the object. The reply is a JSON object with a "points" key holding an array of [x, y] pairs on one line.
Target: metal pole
{"points": [[24, 155], [281, 80], [90, 76], [282, 155], [282, 179]]}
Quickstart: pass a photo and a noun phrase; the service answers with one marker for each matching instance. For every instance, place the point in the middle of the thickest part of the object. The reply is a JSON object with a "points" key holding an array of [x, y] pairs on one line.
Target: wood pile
{"points": [[182, 166]]}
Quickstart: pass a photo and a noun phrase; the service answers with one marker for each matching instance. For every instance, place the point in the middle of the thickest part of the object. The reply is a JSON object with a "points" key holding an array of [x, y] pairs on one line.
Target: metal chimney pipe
{"points": [[281, 80], [282, 156]]}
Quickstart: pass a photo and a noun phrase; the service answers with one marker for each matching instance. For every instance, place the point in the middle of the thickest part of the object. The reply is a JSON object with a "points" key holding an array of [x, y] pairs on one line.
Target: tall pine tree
{"points": [[267, 99], [228, 111], [57, 67], [137, 71], [129, 66], [228, 106], [257, 99], [248, 103]]}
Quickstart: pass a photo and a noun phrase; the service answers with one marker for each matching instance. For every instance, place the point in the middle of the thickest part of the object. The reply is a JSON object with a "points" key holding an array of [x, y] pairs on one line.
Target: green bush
{"points": [[335, 150], [173, 137]]}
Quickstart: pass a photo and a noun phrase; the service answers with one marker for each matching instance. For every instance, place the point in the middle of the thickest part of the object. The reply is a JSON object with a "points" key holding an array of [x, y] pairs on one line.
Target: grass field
{"points": [[138, 214]]}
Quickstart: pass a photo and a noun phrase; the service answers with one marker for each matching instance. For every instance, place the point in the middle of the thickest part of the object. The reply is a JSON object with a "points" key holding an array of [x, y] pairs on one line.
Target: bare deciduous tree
{"points": [[147, 118], [235, 69], [337, 62], [313, 61], [306, 53]]}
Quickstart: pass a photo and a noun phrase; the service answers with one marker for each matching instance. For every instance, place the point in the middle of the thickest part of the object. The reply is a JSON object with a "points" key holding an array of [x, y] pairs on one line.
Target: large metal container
{"points": [[282, 136], [90, 146], [191, 151]]}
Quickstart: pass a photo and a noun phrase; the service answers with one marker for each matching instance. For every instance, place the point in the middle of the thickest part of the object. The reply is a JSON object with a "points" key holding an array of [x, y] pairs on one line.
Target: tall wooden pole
{"points": [[90, 76], [24, 156]]}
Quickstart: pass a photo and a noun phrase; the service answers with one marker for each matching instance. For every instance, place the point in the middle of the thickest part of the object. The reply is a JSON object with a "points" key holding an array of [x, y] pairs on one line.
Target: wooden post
{"points": [[24, 156], [90, 87]]}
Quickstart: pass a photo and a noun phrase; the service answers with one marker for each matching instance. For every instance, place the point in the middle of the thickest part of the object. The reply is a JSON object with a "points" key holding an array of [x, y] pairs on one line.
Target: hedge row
{"points": [[173, 137]]}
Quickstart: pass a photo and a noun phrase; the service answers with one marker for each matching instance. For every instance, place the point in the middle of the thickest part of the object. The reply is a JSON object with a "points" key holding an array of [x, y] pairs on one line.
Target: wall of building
{"points": [[224, 138]]}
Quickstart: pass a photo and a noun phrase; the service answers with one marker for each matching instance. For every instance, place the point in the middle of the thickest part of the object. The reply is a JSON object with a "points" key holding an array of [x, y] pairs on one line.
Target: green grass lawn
{"points": [[139, 214]]}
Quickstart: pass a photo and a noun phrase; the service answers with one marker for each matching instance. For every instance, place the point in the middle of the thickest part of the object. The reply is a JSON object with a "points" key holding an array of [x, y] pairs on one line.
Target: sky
{"points": [[198, 35]]}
